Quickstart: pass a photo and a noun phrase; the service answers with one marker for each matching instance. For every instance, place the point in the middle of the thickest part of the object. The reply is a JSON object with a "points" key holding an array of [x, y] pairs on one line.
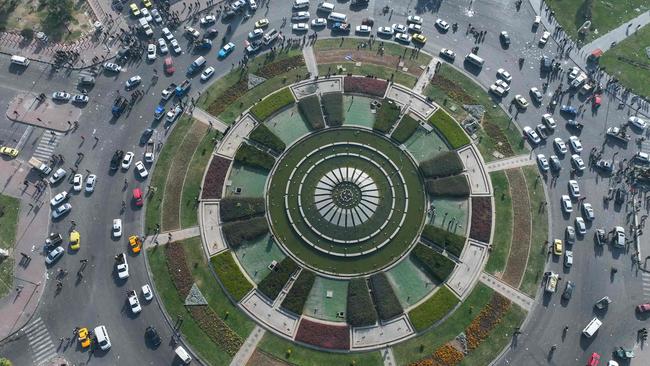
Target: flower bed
{"points": [[230, 275], [435, 308], [274, 69], [451, 242], [250, 155], [454, 186], [387, 115], [297, 296], [333, 108], [386, 303], [238, 208], [481, 226], [266, 137], [273, 283], [310, 109], [324, 335], [365, 85], [406, 128], [449, 129], [360, 311], [272, 103], [237, 232], [437, 266], [442, 165], [486, 320], [215, 177], [228, 97], [178, 269]]}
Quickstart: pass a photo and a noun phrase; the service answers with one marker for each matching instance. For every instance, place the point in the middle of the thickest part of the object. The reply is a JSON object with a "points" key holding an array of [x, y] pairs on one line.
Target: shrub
{"points": [[360, 311], [309, 108], [442, 165], [266, 137], [237, 208], [27, 33], [454, 186], [387, 115], [449, 129], [273, 283], [453, 243], [434, 309], [215, 177], [481, 219], [249, 155], [272, 103], [435, 264], [297, 296], [405, 129], [364, 85], [383, 296], [324, 335], [237, 232], [230, 275], [333, 108]]}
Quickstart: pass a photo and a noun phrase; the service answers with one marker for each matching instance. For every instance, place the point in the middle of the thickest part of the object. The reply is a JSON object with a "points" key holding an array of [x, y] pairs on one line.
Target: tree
{"points": [[59, 13], [5, 362], [27, 33]]}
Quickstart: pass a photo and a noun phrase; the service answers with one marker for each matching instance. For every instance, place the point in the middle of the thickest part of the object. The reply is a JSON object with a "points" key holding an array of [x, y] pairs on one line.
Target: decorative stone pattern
{"points": [[195, 297]]}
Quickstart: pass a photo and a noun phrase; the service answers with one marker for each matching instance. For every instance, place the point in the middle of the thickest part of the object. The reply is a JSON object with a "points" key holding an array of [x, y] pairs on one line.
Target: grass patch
{"points": [[442, 165], [405, 129], [297, 296], [263, 135], [273, 283], [252, 156], [273, 103], [237, 208], [333, 108], [628, 62], [379, 71], [239, 231], [449, 129], [390, 48], [433, 309], [452, 243], [193, 177], [387, 116], [360, 310], [437, 266], [503, 236], [9, 210], [310, 109], [454, 186], [230, 275]]}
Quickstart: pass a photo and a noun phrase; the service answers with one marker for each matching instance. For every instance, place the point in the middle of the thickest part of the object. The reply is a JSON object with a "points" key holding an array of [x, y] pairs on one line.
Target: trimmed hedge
{"points": [[434, 309], [433, 263], [453, 243], [230, 275], [454, 186], [250, 155], [442, 165], [405, 129], [297, 296], [266, 137], [309, 108], [387, 115], [333, 108], [273, 283], [386, 302], [360, 311], [272, 103], [237, 232], [449, 129], [237, 208]]}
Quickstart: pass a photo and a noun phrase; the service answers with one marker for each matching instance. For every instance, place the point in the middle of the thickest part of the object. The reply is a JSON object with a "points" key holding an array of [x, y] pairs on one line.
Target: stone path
{"points": [[247, 349], [424, 78], [209, 215], [507, 291], [207, 118], [310, 60], [163, 238], [388, 357], [510, 163], [619, 34]]}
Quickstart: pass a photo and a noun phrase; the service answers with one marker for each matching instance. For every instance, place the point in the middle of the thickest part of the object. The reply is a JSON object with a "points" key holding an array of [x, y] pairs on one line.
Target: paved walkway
{"points": [[310, 60], [424, 78], [210, 216], [247, 349], [164, 238], [388, 357], [507, 291], [510, 163], [208, 119], [619, 34]]}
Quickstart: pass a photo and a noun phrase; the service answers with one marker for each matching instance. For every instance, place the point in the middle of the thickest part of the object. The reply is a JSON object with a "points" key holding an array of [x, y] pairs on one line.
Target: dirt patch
{"points": [[261, 358], [370, 57], [16, 15], [516, 264]]}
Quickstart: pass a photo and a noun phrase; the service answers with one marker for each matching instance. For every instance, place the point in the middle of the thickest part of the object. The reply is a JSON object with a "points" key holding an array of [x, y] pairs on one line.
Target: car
{"points": [[134, 303], [112, 67], [77, 182], [577, 162], [101, 337], [262, 23], [300, 27], [168, 65], [569, 109], [75, 240], [59, 199], [318, 22], [208, 19], [581, 228], [146, 135], [147, 3], [536, 94], [236, 5], [8, 151], [570, 234], [414, 19], [399, 28], [567, 206], [555, 163], [504, 75], [91, 181], [557, 247], [544, 38], [147, 293], [61, 210], [174, 113], [175, 46], [588, 212], [448, 54], [54, 255], [575, 143], [441, 24], [643, 308], [211, 33], [574, 189], [505, 38], [502, 84], [145, 15], [532, 136], [80, 99], [134, 10], [117, 228], [520, 101], [252, 4], [403, 37], [126, 161], [58, 175], [300, 15], [560, 146], [499, 91], [542, 162], [207, 73], [619, 236], [133, 81], [415, 28], [151, 334], [642, 157], [385, 31], [637, 122], [549, 121], [419, 38], [163, 46], [254, 46], [142, 171], [61, 96], [53, 240], [568, 258], [226, 50], [362, 29], [255, 33], [568, 290], [156, 16], [193, 33], [151, 52], [167, 34]]}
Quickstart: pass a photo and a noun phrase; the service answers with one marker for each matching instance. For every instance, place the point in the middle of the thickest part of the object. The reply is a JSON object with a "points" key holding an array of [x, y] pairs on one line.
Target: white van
{"points": [[270, 36], [101, 335], [300, 4], [183, 355], [19, 60], [326, 7], [338, 17], [474, 59], [592, 327]]}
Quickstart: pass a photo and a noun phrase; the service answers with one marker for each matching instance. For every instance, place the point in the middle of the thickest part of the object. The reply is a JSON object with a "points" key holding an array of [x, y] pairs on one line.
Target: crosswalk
{"points": [[40, 341], [645, 283], [46, 145]]}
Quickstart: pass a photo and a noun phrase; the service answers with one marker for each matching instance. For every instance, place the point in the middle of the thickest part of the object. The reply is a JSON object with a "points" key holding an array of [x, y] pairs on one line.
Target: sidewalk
{"points": [[18, 307], [507, 291], [619, 34], [164, 238], [208, 119]]}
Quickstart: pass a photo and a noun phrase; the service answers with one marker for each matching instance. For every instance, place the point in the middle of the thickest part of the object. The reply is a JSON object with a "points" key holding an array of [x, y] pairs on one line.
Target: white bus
{"points": [[474, 59], [338, 17]]}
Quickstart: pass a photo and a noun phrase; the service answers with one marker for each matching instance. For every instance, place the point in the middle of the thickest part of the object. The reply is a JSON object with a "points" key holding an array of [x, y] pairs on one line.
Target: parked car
{"points": [[567, 206], [574, 188], [61, 96], [59, 199], [77, 182], [542, 162], [414, 19], [207, 73], [568, 290], [142, 171], [577, 162], [581, 228], [441, 24], [575, 143], [532, 136], [61, 210], [226, 50], [57, 176], [54, 255], [91, 181]]}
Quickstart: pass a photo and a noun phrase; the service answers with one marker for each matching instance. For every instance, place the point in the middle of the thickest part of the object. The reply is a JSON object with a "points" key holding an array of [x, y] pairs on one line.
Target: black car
{"points": [[228, 14], [568, 290], [505, 38], [145, 136], [152, 336], [53, 241], [546, 63], [211, 33]]}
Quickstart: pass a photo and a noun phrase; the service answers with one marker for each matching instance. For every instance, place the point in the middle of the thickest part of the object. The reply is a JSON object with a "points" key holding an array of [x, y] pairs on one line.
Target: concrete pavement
{"points": [[424, 78], [510, 163], [169, 236], [208, 119], [507, 291], [310, 60], [247, 349], [627, 29]]}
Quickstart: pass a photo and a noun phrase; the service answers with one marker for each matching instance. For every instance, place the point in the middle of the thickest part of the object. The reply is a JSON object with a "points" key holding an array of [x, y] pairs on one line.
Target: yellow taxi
{"points": [[75, 240], [134, 10], [9, 151], [419, 38], [262, 23], [136, 243], [557, 247], [83, 337], [147, 3]]}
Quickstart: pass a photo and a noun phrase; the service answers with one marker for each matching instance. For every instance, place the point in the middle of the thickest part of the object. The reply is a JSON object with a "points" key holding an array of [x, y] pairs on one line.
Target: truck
{"points": [[174, 113], [41, 167], [552, 279], [168, 91], [159, 112], [116, 159], [119, 105], [149, 152], [182, 89], [121, 266], [618, 134]]}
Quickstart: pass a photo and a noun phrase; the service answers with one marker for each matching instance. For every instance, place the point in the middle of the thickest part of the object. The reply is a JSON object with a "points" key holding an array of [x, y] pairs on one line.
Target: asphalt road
{"points": [[101, 299]]}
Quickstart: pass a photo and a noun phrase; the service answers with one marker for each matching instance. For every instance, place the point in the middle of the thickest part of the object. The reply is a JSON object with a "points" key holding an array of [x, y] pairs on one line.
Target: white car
{"points": [[167, 34], [575, 143], [415, 28], [175, 46], [61, 96], [567, 206], [207, 20], [77, 182], [101, 335], [544, 39], [61, 210], [300, 15], [504, 75], [192, 32], [252, 4], [619, 236], [504, 85], [577, 161], [80, 98], [363, 29], [574, 188], [133, 81], [441, 24], [570, 234], [399, 28], [521, 101], [581, 228], [58, 175], [300, 27], [134, 303], [117, 228], [142, 171], [55, 254], [91, 181], [174, 113], [256, 33], [568, 258], [533, 137], [318, 22], [163, 46], [156, 16], [122, 269], [542, 162], [448, 54], [126, 161], [403, 37], [147, 293], [112, 67], [642, 157], [536, 94], [151, 52], [386, 31], [637, 122], [499, 91], [207, 73], [146, 15], [414, 19], [560, 146], [549, 121], [59, 199], [588, 212]]}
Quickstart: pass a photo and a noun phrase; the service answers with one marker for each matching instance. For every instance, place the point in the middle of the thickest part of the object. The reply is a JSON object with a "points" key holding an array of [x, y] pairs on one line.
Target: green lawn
{"points": [[304, 356], [390, 48], [434, 309], [9, 209], [379, 71], [626, 59], [539, 234], [502, 237], [230, 275]]}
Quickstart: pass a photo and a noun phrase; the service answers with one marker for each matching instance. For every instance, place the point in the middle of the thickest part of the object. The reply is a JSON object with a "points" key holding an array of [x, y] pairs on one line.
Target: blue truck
{"points": [[119, 105], [159, 112], [182, 89]]}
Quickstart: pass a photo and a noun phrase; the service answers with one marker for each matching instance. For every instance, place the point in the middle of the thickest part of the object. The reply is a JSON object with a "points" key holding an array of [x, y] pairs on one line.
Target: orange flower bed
{"points": [[446, 355], [486, 320]]}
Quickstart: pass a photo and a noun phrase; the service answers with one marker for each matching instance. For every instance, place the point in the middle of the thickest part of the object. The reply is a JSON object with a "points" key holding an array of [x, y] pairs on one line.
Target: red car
{"points": [[643, 308], [594, 359], [169, 65], [137, 197]]}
